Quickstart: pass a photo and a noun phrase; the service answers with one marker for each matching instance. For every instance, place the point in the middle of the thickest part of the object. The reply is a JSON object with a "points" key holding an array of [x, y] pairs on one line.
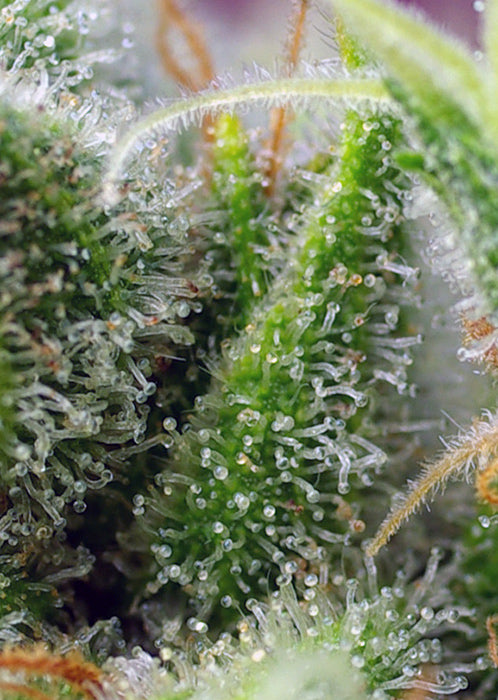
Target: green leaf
{"points": [[416, 53]]}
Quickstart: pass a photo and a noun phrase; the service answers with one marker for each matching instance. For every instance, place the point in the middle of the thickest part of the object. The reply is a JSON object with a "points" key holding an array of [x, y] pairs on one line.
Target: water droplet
{"points": [[166, 654], [290, 567], [484, 521], [22, 452], [174, 571], [313, 496], [164, 551], [197, 625], [258, 655], [453, 616], [357, 661], [427, 613], [311, 580], [269, 511], [21, 469], [356, 628], [79, 506], [220, 472], [182, 309], [242, 501]]}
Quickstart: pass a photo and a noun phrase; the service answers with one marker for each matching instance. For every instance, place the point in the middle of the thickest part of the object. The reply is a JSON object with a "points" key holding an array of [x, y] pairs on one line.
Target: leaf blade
{"points": [[415, 52]]}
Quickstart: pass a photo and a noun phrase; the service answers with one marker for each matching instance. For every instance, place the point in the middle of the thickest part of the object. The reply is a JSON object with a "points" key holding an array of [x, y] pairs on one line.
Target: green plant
{"points": [[208, 356]]}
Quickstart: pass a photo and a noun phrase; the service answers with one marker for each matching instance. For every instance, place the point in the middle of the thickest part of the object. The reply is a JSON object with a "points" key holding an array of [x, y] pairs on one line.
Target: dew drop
{"points": [[174, 571], [269, 511], [484, 521], [357, 661], [220, 472], [21, 469], [290, 567], [311, 580], [242, 501], [258, 655], [197, 625], [165, 551], [427, 613], [169, 423], [79, 506]]}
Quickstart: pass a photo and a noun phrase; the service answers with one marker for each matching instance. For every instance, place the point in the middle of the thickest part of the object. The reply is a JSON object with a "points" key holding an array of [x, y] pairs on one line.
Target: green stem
{"points": [[189, 111]]}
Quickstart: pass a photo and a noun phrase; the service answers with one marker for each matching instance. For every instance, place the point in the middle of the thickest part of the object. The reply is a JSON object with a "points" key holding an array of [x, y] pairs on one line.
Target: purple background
{"points": [[239, 32], [457, 16]]}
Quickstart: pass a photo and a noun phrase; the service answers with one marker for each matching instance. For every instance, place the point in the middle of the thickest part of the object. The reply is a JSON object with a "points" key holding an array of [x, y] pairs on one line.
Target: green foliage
{"points": [[81, 331], [444, 91], [239, 194], [274, 446], [75, 319]]}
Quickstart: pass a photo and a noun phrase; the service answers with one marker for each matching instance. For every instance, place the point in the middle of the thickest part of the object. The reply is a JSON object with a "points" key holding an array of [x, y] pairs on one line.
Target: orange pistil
{"points": [[173, 19], [476, 330], [279, 117], [487, 483], [83, 676], [491, 621]]}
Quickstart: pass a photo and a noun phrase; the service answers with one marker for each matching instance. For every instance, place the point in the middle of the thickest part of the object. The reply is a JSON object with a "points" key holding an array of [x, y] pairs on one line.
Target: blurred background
{"points": [[459, 16], [239, 32]]}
